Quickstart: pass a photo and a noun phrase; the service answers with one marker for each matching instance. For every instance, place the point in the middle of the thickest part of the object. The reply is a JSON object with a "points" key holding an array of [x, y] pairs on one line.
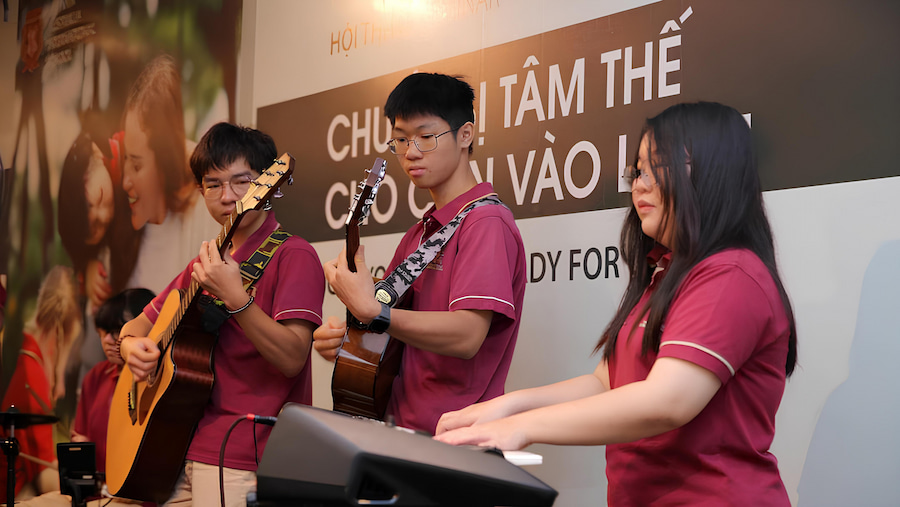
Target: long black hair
{"points": [[703, 160]]}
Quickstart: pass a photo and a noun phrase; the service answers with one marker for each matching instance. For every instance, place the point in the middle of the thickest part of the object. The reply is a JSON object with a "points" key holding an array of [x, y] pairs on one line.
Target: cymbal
{"points": [[23, 420]]}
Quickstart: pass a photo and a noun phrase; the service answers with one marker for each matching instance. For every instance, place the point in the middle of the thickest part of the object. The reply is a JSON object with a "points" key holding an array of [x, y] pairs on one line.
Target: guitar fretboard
{"points": [[223, 239]]}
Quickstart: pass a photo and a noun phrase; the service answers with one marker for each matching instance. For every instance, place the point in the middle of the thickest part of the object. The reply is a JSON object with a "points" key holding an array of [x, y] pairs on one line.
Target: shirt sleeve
{"points": [[300, 290], [717, 319], [88, 389], [486, 261]]}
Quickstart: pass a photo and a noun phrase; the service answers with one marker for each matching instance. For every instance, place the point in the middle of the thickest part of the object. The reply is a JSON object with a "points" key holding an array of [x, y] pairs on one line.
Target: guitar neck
{"points": [[223, 239], [352, 245]]}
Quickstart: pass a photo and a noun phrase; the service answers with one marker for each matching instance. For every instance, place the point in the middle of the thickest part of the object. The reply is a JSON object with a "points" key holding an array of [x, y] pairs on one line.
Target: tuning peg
{"points": [[278, 194], [290, 180]]}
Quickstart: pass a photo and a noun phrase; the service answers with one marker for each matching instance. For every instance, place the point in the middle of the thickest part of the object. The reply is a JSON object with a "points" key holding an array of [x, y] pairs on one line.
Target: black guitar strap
{"points": [[215, 314], [252, 268]]}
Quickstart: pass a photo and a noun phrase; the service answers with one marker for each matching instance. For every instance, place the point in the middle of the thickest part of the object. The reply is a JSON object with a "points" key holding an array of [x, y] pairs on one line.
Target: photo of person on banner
{"points": [[38, 381], [164, 199], [95, 223], [461, 325], [65, 198], [695, 360]]}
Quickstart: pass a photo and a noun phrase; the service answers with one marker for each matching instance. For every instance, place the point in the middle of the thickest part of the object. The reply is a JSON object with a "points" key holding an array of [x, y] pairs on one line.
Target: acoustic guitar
{"points": [[367, 362], [151, 422]]}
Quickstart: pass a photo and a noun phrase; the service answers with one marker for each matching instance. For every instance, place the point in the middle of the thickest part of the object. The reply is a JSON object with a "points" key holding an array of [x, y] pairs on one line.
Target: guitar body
{"points": [[146, 444], [367, 362], [364, 372]]}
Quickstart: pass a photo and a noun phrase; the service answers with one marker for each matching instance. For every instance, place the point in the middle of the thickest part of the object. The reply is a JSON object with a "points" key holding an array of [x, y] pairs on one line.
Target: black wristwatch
{"points": [[380, 323]]}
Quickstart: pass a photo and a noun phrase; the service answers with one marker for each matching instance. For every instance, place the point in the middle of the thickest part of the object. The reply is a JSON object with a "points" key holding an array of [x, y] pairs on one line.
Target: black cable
{"points": [[255, 446], [222, 459], [270, 421]]}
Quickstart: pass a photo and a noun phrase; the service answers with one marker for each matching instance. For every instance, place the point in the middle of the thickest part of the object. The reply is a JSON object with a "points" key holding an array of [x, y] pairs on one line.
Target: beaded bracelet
{"points": [[239, 310], [119, 345]]}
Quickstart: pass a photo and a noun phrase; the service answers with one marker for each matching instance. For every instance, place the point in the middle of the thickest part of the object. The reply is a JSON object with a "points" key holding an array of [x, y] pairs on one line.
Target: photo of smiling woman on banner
{"points": [[164, 199]]}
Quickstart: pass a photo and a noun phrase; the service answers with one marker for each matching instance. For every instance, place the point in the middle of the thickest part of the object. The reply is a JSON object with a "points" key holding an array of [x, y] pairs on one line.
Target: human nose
{"points": [[126, 179], [232, 194], [642, 182], [413, 151], [637, 182]]}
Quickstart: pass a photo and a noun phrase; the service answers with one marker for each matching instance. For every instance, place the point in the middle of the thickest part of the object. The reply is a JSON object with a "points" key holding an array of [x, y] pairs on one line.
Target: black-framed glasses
{"points": [[239, 185], [632, 174], [424, 142]]}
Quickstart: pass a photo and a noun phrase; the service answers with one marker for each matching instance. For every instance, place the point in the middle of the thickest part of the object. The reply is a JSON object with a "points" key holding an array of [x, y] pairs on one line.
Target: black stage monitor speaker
{"points": [[316, 457]]}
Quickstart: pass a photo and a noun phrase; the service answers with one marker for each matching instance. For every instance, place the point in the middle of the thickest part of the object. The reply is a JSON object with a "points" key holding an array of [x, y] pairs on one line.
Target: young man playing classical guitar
{"points": [[460, 328], [262, 355]]}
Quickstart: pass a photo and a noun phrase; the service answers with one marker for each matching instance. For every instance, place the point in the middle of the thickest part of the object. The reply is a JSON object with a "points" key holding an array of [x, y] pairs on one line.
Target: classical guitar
{"points": [[151, 422], [367, 362]]}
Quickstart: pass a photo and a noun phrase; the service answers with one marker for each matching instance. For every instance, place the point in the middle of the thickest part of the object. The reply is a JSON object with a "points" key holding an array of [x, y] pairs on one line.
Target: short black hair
{"points": [[447, 97], [224, 143], [119, 309]]}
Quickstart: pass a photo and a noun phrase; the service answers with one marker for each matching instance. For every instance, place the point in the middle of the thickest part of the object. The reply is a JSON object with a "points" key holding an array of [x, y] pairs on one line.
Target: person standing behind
{"points": [[262, 356], [92, 414], [696, 357], [461, 326]]}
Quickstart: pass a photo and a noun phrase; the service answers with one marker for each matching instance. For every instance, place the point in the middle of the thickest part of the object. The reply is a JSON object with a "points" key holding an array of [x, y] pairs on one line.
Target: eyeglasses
{"points": [[239, 185], [632, 173], [424, 142]]}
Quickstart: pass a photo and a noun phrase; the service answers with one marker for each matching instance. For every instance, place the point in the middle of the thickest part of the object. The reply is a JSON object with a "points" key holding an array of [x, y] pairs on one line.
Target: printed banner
{"points": [[558, 114]]}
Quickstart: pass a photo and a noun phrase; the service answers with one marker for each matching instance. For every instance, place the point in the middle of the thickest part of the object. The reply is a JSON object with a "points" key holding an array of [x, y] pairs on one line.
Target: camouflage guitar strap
{"points": [[392, 288]]}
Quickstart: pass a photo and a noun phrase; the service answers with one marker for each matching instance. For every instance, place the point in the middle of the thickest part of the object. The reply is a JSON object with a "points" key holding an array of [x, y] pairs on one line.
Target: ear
{"points": [[466, 134]]}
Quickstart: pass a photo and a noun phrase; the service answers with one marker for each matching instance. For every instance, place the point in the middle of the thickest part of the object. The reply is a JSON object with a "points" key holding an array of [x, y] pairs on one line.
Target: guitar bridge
{"points": [[132, 403]]}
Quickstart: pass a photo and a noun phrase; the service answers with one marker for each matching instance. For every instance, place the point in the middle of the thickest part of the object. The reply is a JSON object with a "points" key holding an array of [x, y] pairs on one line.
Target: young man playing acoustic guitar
{"points": [[461, 325], [262, 355]]}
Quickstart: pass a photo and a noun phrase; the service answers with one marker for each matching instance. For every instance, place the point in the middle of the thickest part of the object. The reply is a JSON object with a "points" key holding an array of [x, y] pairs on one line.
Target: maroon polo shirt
{"points": [[291, 287], [92, 414], [482, 267], [727, 316]]}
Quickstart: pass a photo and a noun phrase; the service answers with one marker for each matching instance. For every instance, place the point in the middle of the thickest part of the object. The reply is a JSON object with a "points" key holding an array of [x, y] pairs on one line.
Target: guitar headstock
{"points": [[362, 202], [267, 184]]}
